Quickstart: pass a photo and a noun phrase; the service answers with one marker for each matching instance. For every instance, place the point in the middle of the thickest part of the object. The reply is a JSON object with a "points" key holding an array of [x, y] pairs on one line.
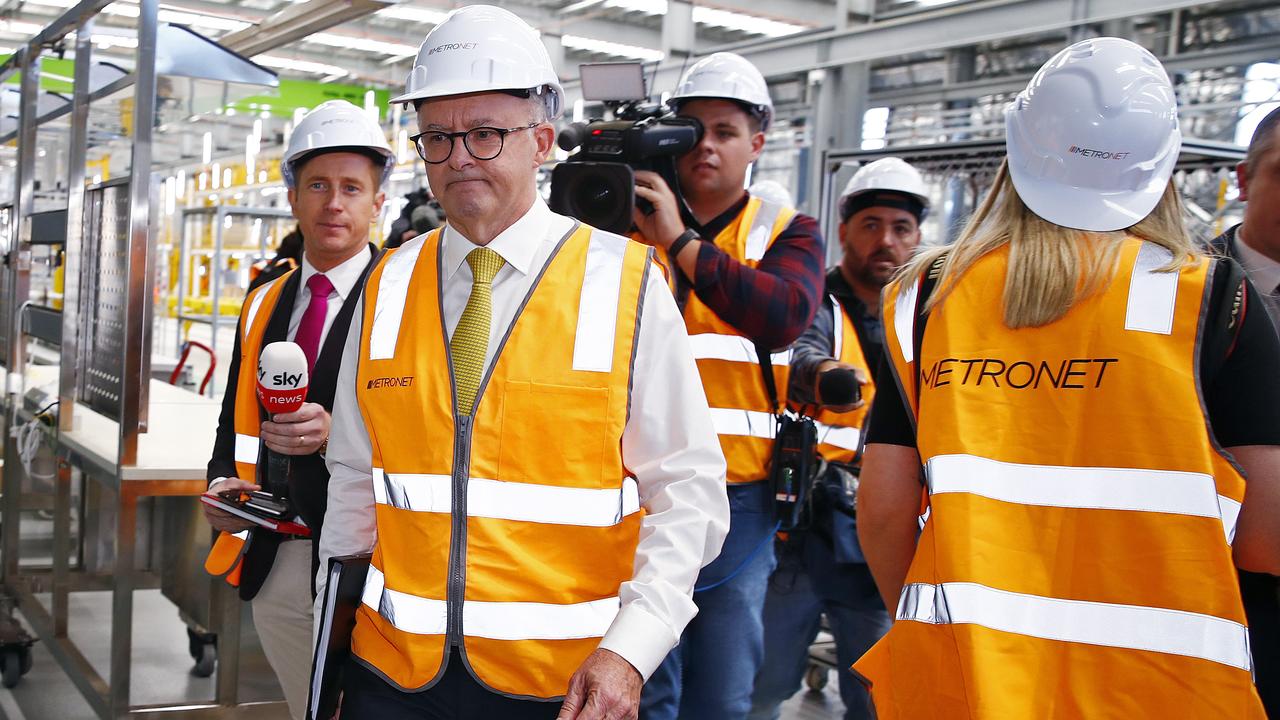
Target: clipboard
{"points": [[342, 597]]}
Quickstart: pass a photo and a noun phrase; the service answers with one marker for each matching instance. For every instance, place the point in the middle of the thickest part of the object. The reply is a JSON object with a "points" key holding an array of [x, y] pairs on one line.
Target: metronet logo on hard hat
{"points": [[452, 46], [1100, 154]]}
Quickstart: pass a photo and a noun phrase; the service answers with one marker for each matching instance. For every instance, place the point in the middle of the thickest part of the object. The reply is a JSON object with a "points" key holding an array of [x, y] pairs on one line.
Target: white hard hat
{"points": [[334, 125], [481, 48], [1093, 139], [727, 76], [773, 191], [889, 174]]}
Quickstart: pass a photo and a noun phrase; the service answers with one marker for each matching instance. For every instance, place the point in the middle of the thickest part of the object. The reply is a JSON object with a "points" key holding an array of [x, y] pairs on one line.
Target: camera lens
{"points": [[596, 199]]}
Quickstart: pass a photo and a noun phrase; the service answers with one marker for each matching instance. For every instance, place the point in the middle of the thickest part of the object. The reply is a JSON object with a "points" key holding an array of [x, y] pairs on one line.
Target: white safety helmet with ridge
{"points": [[482, 48], [1093, 139], [334, 125], [727, 76], [889, 174]]}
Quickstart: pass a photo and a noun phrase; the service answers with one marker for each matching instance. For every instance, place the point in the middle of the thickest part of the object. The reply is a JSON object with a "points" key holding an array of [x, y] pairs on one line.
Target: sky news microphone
{"points": [[282, 377], [282, 388], [839, 386]]}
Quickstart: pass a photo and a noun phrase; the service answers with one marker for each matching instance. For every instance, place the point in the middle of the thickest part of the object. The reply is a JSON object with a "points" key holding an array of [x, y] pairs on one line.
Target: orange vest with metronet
{"points": [[839, 432], [1075, 558], [505, 533], [228, 549], [727, 362]]}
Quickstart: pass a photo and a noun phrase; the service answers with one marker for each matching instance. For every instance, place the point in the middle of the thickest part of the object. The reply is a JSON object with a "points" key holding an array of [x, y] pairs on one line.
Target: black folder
{"points": [[342, 597]]}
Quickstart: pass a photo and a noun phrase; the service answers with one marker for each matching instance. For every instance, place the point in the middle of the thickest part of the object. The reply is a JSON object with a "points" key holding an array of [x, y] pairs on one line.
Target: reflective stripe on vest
{"points": [[727, 361], [525, 502], [482, 520], [1080, 516], [494, 620], [1098, 488], [1104, 624]]}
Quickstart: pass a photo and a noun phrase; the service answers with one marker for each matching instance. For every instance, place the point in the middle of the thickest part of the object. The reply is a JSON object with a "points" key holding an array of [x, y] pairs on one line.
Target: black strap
{"points": [[766, 370], [927, 285]]}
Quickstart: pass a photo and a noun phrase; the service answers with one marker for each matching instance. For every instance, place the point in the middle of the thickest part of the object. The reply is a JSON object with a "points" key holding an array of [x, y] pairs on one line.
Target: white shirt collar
{"points": [[343, 277], [517, 244], [1262, 270]]}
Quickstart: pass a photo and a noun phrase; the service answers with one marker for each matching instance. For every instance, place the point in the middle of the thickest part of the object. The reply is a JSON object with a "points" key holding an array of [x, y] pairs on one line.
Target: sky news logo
{"points": [[1100, 154]]}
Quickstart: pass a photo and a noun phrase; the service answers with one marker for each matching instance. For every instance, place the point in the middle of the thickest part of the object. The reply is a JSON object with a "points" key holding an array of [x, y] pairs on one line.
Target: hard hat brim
{"points": [[1087, 209]]}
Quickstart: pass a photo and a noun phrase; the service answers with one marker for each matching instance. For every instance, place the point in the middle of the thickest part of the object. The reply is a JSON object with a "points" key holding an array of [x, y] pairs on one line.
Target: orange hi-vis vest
{"points": [[1075, 558], [839, 433], [228, 549], [741, 411], [505, 533]]}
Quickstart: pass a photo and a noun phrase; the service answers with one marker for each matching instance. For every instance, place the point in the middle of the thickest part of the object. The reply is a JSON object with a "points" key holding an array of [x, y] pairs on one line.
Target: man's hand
{"points": [[297, 433], [661, 227], [221, 519], [606, 687], [837, 365]]}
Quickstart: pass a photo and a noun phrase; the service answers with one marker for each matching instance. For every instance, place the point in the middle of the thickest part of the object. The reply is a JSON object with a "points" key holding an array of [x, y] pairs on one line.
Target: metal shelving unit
{"points": [[218, 221]]}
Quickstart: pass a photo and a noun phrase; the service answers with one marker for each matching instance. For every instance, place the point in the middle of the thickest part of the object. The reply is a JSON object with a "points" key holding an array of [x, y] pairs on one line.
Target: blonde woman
{"points": [[1055, 500]]}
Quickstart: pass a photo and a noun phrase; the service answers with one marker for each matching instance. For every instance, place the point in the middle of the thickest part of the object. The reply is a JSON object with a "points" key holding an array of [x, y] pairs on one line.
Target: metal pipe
{"points": [[78, 149]]}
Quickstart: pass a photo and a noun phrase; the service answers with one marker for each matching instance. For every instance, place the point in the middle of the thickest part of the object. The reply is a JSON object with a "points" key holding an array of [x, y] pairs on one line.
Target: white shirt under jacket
{"points": [[668, 443]]}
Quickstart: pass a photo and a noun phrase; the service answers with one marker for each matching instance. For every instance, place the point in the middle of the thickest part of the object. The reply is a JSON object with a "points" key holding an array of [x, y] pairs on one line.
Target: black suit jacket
{"points": [[309, 484]]}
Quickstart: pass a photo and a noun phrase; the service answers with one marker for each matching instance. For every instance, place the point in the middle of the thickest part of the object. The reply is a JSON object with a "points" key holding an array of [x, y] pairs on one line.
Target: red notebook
{"points": [[288, 527]]}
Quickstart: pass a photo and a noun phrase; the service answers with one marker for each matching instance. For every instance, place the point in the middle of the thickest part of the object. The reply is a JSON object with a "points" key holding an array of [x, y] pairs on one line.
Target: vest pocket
{"points": [[554, 435]]}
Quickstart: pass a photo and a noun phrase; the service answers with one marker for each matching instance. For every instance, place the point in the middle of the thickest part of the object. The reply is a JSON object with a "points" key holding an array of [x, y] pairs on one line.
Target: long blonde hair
{"points": [[1051, 267]]}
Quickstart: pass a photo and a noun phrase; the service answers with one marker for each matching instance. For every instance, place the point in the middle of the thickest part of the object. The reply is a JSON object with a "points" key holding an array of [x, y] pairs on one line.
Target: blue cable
{"points": [[768, 541]]}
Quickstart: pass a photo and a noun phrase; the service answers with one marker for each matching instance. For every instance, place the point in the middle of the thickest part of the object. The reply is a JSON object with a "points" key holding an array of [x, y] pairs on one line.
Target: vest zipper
{"points": [[458, 534]]}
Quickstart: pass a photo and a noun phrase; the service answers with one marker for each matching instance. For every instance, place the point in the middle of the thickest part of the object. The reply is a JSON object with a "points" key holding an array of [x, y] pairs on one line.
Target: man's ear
{"points": [[544, 136], [1242, 179], [757, 144], [379, 198], [293, 199]]}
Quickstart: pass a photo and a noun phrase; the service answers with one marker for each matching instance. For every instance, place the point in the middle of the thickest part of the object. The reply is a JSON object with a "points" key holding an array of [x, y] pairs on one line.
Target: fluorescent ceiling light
{"points": [[19, 27], [743, 22], [359, 43], [648, 7], [413, 14], [300, 65], [714, 17], [604, 47]]}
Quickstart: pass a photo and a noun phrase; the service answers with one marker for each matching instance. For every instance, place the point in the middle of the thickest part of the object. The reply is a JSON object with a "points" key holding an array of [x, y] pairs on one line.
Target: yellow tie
{"points": [[470, 341]]}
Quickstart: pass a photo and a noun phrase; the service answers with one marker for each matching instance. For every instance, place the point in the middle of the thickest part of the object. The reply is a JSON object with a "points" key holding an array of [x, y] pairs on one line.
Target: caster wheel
{"points": [[207, 661], [12, 663], [816, 677], [26, 661]]}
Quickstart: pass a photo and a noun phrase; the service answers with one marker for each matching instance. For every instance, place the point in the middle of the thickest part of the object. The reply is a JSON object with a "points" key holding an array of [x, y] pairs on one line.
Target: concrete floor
{"points": [[161, 667]]}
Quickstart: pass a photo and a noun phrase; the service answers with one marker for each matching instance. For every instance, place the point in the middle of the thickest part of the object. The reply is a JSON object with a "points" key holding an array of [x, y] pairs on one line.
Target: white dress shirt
{"points": [[343, 277], [669, 443]]}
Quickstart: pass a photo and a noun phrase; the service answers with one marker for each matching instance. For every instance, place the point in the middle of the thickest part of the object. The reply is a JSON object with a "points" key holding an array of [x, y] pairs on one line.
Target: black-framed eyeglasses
{"points": [[484, 143]]}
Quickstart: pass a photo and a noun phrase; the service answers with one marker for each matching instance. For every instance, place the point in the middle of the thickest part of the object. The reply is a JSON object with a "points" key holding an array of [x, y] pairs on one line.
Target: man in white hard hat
{"points": [[334, 167], [747, 273], [520, 434], [821, 570]]}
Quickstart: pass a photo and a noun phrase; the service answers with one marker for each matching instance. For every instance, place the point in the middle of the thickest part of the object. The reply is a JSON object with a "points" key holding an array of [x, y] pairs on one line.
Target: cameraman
{"points": [[821, 569], [747, 274]]}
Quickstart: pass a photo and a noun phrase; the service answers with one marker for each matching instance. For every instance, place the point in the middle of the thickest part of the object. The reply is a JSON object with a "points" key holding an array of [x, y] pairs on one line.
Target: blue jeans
{"points": [[709, 675], [808, 583]]}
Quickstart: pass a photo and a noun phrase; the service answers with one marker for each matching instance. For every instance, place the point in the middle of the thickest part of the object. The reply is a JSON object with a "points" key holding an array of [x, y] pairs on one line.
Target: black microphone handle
{"points": [[279, 468]]}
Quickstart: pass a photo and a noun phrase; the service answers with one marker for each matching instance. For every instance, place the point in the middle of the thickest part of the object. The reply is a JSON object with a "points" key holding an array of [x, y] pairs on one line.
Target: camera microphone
{"points": [[282, 388], [572, 136], [839, 386]]}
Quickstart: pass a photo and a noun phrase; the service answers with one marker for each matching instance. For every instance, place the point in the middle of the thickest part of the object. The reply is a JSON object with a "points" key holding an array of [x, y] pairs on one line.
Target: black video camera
{"points": [[597, 183]]}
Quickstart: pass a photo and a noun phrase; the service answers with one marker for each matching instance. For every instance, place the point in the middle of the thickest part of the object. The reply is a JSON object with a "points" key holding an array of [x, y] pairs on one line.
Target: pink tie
{"points": [[312, 325]]}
